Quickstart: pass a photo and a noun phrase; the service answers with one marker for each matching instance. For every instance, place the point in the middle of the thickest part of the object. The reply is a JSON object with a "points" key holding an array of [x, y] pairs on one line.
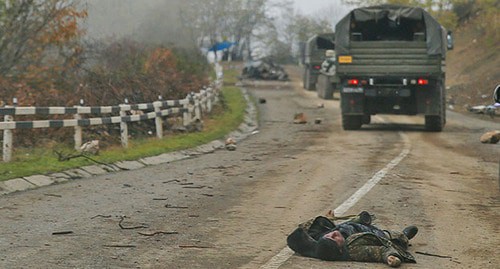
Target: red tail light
{"points": [[422, 81], [353, 82], [317, 67]]}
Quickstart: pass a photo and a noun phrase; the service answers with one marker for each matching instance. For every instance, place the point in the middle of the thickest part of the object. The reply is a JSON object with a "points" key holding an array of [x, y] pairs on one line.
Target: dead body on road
{"points": [[353, 240]]}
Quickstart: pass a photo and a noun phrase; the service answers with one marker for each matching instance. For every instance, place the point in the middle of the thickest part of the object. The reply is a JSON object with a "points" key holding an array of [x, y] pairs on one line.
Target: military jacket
{"points": [[368, 247]]}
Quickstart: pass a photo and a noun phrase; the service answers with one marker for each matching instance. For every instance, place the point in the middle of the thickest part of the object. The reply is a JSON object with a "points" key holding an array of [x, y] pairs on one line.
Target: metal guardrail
{"points": [[191, 109]]}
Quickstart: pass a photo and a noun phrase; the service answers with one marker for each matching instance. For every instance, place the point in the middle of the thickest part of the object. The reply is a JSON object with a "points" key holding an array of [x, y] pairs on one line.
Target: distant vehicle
{"points": [[314, 54], [391, 60]]}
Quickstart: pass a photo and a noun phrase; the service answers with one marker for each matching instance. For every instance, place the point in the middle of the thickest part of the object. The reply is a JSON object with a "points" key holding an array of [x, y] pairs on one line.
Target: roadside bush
{"points": [[112, 72], [125, 69]]}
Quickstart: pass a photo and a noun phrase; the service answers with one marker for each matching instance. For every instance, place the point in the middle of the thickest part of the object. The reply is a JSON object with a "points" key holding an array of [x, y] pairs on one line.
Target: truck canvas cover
{"points": [[435, 33]]}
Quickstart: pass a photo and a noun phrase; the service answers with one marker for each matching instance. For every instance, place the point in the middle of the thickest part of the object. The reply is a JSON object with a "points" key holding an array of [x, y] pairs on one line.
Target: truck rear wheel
{"points": [[367, 119], [324, 87], [435, 123], [352, 122]]}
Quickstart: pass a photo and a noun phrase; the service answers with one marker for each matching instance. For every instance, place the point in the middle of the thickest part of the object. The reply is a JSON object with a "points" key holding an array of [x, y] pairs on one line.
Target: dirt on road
{"points": [[234, 209]]}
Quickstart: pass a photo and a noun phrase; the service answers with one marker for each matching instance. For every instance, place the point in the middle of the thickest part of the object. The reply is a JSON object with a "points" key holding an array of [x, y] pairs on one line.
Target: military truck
{"points": [[314, 54], [391, 60]]}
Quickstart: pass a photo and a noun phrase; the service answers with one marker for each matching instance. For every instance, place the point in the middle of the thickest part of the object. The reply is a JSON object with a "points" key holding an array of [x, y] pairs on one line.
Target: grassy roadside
{"points": [[224, 119]]}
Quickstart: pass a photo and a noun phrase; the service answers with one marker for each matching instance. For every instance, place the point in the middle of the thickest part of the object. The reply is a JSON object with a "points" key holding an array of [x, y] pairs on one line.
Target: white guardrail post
{"points": [[187, 113], [197, 106], [158, 119], [123, 125], [7, 140], [210, 94], [8, 135], [78, 129]]}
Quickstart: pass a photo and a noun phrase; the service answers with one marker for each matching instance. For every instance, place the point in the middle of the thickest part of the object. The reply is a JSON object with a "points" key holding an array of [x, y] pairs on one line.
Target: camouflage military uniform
{"points": [[368, 247], [364, 242]]}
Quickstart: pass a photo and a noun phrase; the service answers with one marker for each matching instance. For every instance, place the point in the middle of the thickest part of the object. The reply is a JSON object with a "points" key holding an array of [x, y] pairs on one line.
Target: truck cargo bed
{"points": [[381, 58]]}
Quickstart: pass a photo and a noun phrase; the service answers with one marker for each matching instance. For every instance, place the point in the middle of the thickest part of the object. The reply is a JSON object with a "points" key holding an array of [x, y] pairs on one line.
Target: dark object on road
{"points": [[390, 60], [265, 69], [356, 239]]}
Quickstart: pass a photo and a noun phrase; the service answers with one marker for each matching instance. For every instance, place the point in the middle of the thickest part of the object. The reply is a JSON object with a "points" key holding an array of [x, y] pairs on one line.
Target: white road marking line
{"points": [[280, 258]]}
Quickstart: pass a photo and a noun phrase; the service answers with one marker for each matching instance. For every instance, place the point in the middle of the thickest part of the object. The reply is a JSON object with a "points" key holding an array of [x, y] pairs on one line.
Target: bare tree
{"points": [[29, 27], [226, 20]]}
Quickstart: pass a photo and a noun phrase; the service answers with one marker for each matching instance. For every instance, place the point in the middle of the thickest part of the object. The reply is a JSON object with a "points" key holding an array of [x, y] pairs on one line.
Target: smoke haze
{"points": [[149, 21]]}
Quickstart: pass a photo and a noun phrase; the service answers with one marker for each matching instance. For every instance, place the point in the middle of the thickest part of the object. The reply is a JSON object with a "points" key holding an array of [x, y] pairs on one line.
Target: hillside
{"points": [[473, 68]]}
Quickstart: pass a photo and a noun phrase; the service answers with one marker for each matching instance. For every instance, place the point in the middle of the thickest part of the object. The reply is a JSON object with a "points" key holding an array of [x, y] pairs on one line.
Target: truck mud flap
{"points": [[352, 103]]}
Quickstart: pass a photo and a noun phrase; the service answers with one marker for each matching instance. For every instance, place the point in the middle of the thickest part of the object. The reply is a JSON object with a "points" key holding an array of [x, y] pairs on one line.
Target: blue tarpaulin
{"points": [[222, 45]]}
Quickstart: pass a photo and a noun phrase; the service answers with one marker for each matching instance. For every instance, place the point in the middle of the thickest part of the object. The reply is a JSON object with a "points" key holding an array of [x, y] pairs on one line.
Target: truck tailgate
{"points": [[390, 58]]}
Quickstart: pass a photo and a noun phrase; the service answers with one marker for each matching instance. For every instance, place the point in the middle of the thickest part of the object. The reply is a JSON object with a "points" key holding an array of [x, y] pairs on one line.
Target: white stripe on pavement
{"points": [[280, 258]]}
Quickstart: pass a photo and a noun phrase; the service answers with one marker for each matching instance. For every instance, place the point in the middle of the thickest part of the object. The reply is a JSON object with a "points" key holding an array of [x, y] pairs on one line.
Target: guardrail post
{"points": [[123, 125], [7, 140], [187, 113], [8, 136], [78, 129], [209, 99], [158, 120], [197, 107]]}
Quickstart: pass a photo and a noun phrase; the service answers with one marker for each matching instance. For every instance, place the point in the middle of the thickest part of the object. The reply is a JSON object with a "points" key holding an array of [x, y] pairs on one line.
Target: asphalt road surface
{"points": [[234, 209]]}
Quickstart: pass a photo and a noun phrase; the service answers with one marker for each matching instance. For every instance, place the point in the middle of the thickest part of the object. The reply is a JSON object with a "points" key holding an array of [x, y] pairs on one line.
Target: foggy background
{"points": [[159, 21], [150, 21]]}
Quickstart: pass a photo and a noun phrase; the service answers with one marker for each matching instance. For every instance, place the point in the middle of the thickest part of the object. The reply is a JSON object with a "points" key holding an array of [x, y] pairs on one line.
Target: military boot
{"points": [[363, 218], [410, 231]]}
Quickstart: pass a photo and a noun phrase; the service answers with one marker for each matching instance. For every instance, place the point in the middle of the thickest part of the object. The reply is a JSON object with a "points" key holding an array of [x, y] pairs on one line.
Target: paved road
{"points": [[233, 209]]}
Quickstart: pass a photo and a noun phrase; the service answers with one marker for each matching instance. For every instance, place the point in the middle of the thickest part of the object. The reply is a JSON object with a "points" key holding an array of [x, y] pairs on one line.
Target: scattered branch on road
{"points": [[193, 246], [62, 232], [172, 180], [160, 199], [223, 167], [62, 157], [155, 233], [132, 227], [119, 246], [174, 206], [194, 187], [53, 195], [433, 255], [101, 216]]}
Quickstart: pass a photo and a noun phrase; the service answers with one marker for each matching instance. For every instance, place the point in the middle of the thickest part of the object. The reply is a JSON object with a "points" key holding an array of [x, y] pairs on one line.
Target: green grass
{"points": [[226, 117]]}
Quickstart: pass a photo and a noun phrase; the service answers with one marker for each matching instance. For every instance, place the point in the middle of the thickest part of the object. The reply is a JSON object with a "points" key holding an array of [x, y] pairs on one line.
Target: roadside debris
{"points": [[299, 118], [265, 69], [230, 144], [317, 121], [91, 147], [490, 110], [175, 206], [491, 137], [120, 223], [62, 233], [155, 233]]}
